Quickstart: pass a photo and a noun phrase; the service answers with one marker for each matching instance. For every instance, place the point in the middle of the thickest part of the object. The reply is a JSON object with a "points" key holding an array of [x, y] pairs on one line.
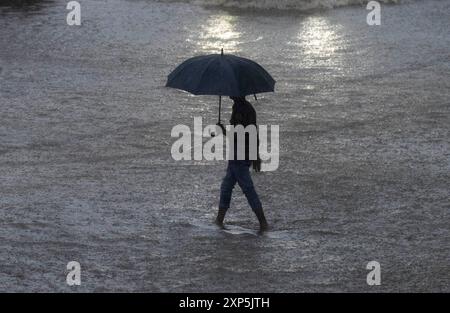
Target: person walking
{"points": [[238, 171]]}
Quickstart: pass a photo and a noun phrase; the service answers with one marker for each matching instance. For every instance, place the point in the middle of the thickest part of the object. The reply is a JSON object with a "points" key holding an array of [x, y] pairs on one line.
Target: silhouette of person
{"points": [[238, 171]]}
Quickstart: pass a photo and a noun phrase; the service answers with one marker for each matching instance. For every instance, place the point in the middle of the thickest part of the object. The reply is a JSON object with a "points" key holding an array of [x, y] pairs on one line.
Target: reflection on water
{"points": [[321, 43], [25, 6], [219, 32], [318, 38]]}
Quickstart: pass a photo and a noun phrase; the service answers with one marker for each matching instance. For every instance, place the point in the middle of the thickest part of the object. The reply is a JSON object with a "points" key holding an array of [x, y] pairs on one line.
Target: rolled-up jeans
{"points": [[238, 171]]}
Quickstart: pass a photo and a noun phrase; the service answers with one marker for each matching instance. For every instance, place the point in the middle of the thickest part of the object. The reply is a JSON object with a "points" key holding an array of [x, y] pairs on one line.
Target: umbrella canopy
{"points": [[221, 75]]}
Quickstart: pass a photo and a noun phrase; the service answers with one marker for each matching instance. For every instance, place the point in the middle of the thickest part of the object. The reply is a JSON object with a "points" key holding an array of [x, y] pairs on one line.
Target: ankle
{"points": [[220, 216]]}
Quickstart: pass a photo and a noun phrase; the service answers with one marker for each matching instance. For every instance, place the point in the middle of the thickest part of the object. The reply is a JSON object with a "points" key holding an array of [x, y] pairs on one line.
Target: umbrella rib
{"points": [[203, 71], [234, 70], [228, 59], [264, 74]]}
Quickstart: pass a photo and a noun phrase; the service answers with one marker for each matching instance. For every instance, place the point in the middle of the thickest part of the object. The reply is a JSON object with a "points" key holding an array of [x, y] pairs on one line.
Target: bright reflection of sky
{"points": [[318, 37], [219, 32], [319, 41]]}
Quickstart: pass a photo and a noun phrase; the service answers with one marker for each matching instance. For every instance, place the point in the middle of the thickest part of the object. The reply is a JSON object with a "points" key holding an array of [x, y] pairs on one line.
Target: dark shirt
{"points": [[243, 114]]}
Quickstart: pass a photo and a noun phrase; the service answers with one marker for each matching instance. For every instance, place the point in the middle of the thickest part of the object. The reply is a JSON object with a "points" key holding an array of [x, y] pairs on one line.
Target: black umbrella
{"points": [[222, 75]]}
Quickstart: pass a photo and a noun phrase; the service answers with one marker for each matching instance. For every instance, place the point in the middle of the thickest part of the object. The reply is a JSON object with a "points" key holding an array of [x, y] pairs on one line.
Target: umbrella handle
{"points": [[220, 106]]}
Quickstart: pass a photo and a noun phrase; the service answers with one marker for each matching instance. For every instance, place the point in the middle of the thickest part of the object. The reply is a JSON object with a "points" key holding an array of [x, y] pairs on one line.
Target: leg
{"points": [[245, 181], [242, 174], [226, 189]]}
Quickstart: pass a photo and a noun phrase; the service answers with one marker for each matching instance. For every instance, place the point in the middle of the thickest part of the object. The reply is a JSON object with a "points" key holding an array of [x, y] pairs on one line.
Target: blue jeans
{"points": [[238, 172]]}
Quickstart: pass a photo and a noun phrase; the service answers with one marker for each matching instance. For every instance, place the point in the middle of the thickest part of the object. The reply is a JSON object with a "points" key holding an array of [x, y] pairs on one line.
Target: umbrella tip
{"points": [[221, 51]]}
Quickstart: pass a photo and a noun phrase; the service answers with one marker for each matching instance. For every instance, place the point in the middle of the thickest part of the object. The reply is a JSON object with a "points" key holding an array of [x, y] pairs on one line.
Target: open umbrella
{"points": [[221, 75]]}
